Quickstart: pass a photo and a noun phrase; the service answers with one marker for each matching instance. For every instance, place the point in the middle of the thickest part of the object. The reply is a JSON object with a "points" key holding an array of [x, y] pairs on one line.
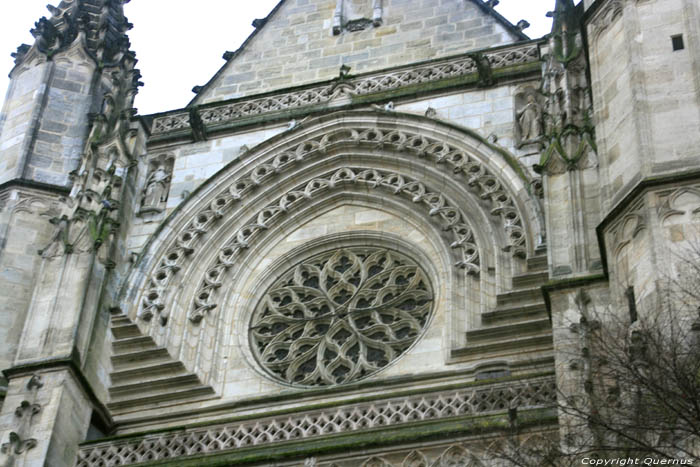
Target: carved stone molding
{"points": [[489, 399], [605, 17], [347, 87], [356, 15], [683, 201], [465, 169], [631, 224], [454, 455], [16, 445], [438, 207], [30, 201], [98, 28], [568, 130]]}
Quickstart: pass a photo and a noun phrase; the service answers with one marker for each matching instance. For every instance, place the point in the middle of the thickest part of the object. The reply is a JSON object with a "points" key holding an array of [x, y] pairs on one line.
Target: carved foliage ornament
{"points": [[439, 207], [340, 316], [475, 175], [568, 129]]}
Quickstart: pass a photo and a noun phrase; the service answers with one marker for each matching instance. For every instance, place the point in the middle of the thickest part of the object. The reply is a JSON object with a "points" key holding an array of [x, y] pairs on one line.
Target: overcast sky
{"points": [[179, 43]]}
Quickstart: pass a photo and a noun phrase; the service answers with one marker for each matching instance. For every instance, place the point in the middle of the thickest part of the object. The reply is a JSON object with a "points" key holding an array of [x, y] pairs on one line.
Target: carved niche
{"points": [[529, 113], [356, 15], [157, 186]]}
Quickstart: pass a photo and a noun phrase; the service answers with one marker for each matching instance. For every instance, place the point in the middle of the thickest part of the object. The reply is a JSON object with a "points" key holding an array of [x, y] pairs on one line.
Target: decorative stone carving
{"points": [[16, 445], [415, 459], [376, 462], [568, 129], [98, 28], [59, 239], [443, 69], [356, 15], [341, 316], [35, 203], [631, 224], [483, 68], [460, 165], [534, 393], [679, 202], [155, 191], [90, 217], [456, 456], [530, 118], [605, 17], [19, 440], [451, 218]]}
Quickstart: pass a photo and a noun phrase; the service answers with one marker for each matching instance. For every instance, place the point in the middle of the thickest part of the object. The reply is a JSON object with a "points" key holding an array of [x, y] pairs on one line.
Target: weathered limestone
{"points": [[142, 258], [299, 43]]}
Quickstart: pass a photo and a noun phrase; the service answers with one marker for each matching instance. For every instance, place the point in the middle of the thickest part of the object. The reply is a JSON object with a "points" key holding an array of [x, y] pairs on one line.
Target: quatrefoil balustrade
{"points": [[340, 316]]}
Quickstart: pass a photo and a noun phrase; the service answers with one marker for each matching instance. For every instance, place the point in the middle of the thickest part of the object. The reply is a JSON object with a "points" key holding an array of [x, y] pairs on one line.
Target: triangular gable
{"points": [[300, 42]]}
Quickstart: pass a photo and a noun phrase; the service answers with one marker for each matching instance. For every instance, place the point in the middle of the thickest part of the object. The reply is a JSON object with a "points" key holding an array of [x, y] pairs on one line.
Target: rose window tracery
{"points": [[340, 316]]}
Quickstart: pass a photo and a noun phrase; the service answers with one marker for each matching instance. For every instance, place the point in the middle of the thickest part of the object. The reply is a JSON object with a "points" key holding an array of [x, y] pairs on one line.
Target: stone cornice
{"points": [[632, 194], [467, 405], [348, 89], [32, 185]]}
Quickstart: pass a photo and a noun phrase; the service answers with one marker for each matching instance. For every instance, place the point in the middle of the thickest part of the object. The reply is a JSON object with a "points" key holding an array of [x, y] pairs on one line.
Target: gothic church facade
{"points": [[361, 244]]}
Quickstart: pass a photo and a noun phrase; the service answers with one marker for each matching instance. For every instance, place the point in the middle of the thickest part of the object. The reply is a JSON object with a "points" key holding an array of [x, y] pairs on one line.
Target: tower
{"points": [[374, 238], [68, 141]]}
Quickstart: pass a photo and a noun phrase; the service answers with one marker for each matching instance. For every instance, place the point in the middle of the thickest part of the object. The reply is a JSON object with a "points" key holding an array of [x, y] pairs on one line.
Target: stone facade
{"points": [[363, 243]]}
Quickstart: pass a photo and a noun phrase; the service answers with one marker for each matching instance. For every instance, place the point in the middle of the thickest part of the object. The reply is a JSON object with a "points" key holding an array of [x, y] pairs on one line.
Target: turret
{"points": [[67, 143], [55, 84]]}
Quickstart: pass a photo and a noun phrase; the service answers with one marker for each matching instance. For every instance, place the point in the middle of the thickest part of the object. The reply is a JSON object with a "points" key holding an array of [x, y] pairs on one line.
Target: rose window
{"points": [[340, 316]]}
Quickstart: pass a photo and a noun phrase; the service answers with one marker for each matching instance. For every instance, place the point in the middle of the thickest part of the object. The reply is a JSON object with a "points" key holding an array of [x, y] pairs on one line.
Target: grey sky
{"points": [[179, 43]]}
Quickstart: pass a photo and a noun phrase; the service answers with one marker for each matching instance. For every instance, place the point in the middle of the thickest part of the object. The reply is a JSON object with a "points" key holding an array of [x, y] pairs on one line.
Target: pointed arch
{"points": [[468, 196]]}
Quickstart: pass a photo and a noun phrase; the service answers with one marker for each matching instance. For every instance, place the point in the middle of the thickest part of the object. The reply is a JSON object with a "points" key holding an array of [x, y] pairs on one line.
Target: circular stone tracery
{"points": [[340, 316]]}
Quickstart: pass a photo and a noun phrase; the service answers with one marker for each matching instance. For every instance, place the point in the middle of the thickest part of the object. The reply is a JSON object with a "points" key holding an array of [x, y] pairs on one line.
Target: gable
{"points": [[304, 41]]}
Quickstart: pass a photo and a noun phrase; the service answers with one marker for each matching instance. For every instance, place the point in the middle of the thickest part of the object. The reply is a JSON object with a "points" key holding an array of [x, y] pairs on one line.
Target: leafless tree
{"points": [[635, 374]]}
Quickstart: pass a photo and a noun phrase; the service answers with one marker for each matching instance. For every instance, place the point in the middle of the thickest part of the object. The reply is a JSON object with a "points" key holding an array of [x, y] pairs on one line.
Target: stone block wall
{"points": [[645, 94], [24, 229], [18, 118], [45, 121], [489, 112], [297, 46]]}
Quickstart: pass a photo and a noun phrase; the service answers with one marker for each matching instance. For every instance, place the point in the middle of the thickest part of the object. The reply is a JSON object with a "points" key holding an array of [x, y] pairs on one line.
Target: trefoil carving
{"points": [[340, 316], [464, 168], [451, 218]]}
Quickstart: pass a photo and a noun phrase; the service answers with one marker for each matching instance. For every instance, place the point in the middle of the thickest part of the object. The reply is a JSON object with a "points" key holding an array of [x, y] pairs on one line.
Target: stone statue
{"points": [[156, 190], [530, 120]]}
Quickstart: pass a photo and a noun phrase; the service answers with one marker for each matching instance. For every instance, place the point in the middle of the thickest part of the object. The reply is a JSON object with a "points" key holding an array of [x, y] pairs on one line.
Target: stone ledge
{"points": [[461, 406], [347, 88]]}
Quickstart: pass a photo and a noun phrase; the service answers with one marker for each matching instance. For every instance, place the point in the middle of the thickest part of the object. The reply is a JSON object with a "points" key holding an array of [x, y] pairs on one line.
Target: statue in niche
{"points": [[155, 193], [530, 120]]}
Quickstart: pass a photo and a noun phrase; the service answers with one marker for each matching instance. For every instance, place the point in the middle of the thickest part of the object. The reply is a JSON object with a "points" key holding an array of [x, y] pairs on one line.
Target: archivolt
{"points": [[438, 207], [460, 172], [487, 177]]}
